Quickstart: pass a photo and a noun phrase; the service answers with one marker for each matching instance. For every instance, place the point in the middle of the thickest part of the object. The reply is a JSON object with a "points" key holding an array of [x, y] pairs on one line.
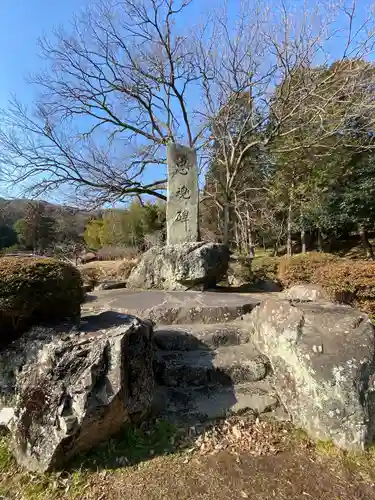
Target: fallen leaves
{"points": [[239, 434]]}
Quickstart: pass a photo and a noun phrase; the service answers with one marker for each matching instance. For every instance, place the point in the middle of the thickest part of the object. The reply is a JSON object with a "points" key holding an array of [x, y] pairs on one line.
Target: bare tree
{"points": [[132, 76], [275, 88], [114, 95]]}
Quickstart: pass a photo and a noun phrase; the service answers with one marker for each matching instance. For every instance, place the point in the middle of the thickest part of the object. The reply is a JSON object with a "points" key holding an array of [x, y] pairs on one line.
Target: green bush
{"points": [[300, 268], [264, 268], [34, 290], [349, 282]]}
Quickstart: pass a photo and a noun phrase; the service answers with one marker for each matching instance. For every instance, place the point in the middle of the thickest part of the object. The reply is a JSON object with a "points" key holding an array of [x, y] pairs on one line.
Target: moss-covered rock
{"points": [[34, 290]]}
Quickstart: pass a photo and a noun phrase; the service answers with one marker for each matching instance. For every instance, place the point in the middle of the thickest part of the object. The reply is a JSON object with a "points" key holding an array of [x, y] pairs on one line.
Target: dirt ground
{"points": [[289, 475], [261, 462]]}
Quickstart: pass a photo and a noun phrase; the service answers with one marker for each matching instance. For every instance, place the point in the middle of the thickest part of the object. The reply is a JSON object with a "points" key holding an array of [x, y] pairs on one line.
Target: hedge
{"points": [[300, 268], [349, 282], [126, 268], [265, 268], [90, 277], [34, 290]]}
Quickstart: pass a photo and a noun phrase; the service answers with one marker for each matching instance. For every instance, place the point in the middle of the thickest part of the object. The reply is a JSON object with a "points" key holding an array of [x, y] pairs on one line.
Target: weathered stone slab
{"points": [[182, 204], [111, 285], [307, 292], [167, 308]]}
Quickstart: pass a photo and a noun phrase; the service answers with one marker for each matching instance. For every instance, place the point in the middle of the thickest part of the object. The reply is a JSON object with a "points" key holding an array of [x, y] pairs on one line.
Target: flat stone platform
{"points": [[167, 308]]}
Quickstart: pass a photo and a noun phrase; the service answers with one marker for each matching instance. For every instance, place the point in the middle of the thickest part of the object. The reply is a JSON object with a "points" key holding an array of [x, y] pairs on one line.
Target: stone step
{"points": [[204, 336], [222, 366], [193, 405], [171, 308]]}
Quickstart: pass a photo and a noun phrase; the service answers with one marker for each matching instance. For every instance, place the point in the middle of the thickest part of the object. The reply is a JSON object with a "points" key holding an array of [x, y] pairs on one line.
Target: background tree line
{"points": [[44, 228], [294, 188], [138, 227]]}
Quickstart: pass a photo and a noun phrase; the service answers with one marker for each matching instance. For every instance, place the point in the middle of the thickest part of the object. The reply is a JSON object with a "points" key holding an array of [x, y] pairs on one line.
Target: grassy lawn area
{"points": [[260, 461]]}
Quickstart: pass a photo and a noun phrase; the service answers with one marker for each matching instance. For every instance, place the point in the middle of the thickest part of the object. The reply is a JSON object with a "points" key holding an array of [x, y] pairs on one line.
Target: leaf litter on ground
{"points": [[240, 434]]}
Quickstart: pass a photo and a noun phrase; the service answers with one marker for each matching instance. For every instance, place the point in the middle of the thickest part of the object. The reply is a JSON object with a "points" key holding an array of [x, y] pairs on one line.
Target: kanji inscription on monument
{"points": [[182, 204]]}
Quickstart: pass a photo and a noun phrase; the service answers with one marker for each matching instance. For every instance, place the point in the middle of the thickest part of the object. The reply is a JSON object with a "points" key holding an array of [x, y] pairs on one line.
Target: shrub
{"points": [[117, 253], [300, 268], [36, 290], [90, 276], [350, 282], [126, 268], [94, 273], [239, 271], [264, 268]]}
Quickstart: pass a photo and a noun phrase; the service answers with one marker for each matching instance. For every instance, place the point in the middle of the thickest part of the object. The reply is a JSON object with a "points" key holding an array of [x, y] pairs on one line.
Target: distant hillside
{"points": [[13, 210]]}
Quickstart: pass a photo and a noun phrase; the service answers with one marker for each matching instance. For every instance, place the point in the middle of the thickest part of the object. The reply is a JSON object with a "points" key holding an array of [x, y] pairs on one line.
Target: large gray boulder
{"points": [[189, 266], [322, 355], [25, 350], [80, 389]]}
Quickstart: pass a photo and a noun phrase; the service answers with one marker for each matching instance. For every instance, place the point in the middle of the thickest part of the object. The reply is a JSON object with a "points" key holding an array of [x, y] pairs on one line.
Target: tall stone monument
{"points": [[183, 197], [184, 263]]}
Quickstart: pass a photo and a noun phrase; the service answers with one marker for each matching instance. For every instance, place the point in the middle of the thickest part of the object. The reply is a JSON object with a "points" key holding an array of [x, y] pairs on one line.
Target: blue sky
{"points": [[23, 21]]}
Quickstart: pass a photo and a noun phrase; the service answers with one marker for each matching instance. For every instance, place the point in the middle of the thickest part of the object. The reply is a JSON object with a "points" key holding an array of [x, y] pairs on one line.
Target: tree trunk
{"points": [[251, 243], [289, 227], [365, 242], [320, 246], [237, 236], [226, 224], [303, 241], [250, 239]]}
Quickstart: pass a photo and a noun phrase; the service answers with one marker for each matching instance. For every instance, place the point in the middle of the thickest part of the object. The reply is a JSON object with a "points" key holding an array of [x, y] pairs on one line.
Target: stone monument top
{"points": [[183, 197]]}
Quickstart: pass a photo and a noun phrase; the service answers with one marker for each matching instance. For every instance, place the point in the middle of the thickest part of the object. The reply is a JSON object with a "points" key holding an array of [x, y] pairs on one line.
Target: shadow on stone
{"points": [[102, 321], [90, 297], [261, 287], [191, 391], [116, 392]]}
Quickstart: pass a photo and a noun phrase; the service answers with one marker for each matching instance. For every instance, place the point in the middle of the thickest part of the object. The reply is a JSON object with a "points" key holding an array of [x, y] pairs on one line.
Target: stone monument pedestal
{"points": [[188, 266]]}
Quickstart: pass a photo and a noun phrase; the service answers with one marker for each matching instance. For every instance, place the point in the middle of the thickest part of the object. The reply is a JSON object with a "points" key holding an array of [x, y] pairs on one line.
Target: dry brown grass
{"points": [[98, 271], [300, 268], [350, 282]]}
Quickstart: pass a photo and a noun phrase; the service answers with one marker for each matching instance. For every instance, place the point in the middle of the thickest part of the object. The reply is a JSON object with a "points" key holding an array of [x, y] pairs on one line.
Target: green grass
{"points": [[327, 448], [357, 463], [33, 486], [133, 445], [130, 447], [6, 459], [125, 462]]}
